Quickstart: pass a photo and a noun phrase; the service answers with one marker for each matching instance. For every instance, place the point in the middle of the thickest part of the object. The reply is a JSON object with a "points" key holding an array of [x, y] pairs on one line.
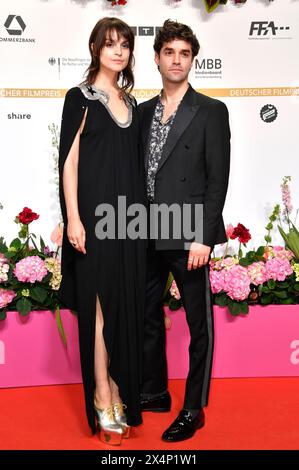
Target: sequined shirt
{"points": [[158, 135]]}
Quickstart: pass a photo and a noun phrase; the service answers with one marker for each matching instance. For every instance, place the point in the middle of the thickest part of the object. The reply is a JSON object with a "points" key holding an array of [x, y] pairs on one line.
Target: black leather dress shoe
{"points": [[184, 426], [160, 404]]}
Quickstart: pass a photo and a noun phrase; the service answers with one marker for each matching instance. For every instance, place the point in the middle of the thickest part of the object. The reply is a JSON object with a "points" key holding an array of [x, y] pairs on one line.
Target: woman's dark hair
{"points": [[99, 34], [173, 30]]}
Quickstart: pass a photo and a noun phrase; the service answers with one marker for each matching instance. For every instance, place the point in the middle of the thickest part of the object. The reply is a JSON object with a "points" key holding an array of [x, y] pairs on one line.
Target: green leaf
{"points": [[280, 295], [168, 285], [174, 304], [2, 314], [296, 286], [291, 239], [244, 307], [3, 246], [60, 325], [266, 299], [39, 294], [244, 262], [23, 306], [282, 233], [34, 244], [271, 284], [42, 243], [287, 301], [265, 289], [295, 229], [16, 243], [234, 308], [210, 7], [222, 300], [260, 251], [283, 285]]}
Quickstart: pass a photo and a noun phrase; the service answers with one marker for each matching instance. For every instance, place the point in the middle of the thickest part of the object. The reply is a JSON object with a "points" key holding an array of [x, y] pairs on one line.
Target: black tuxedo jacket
{"points": [[194, 167]]}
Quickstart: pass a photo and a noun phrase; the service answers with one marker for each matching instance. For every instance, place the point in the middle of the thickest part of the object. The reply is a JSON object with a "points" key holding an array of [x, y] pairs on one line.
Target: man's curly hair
{"points": [[173, 30]]}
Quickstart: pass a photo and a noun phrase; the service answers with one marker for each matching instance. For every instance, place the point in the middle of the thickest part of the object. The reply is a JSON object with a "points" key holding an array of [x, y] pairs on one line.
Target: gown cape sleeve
{"points": [[72, 116]]}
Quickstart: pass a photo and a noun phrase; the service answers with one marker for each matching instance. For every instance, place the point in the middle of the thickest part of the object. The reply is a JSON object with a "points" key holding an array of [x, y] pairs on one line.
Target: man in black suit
{"points": [[186, 139]]}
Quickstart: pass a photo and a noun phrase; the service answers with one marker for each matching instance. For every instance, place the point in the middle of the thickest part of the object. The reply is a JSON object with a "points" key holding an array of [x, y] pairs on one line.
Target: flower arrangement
{"points": [[212, 4], [30, 275], [291, 237], [118, 2], [268, 275]]}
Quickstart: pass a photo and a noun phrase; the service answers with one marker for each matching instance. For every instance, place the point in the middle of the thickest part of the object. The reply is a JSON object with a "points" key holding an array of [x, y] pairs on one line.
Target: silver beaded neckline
{"points": [[92, 93]]}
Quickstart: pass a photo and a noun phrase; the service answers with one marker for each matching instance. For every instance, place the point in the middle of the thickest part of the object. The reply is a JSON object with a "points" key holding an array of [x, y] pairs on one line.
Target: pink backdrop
{"points": [[264, 343]]}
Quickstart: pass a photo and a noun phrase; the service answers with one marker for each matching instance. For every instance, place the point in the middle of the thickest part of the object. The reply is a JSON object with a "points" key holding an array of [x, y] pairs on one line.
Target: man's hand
{"points": [[198, 255]]}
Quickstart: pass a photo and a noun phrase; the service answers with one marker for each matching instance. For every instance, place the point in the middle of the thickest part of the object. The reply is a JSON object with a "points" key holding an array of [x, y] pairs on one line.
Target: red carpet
{"points": [[242, 414]]}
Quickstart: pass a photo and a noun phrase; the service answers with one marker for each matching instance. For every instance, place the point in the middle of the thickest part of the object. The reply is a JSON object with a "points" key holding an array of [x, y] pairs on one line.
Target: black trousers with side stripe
{"points": [[194, 287]]}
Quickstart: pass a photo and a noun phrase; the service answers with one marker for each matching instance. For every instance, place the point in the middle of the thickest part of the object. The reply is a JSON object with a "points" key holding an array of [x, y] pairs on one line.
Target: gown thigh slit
{"points": [[110, 165]]}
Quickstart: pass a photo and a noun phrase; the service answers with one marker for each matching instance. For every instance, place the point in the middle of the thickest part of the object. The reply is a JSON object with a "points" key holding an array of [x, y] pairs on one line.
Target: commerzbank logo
{"points": [[15, 27]]}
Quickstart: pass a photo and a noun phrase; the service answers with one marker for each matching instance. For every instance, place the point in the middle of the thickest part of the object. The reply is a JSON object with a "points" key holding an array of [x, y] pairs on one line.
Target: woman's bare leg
{"points": [[103, 395], [114, 391]]}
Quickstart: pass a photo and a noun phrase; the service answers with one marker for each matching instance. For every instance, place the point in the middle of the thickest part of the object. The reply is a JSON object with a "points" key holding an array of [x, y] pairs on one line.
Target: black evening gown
{"points": [[110, 165]]}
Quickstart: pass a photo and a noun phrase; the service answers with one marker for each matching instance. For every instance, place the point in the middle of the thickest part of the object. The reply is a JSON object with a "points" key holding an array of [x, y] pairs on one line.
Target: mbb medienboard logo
{"points": [[15, 27], [268, 30], [208, 68]]}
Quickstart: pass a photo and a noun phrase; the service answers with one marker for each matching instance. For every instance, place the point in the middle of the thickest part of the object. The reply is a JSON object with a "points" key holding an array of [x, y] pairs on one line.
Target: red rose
{"points": [[242, 233], [27, 216], [122, 2]]}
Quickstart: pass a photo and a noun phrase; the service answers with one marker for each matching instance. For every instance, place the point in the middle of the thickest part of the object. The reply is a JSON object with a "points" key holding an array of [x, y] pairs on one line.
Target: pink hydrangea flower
{"points": [[229, 262], [217, 280], [175, 291], [4, 268], [257, 273], [6, 296], [30, 269], [278, 269], [237, 283], [2, 258], [281, 252], [224, 263]]}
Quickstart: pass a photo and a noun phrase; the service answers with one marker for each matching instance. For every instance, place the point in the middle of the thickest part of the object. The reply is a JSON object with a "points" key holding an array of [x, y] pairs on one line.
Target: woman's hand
{"points": [[76, 234]]}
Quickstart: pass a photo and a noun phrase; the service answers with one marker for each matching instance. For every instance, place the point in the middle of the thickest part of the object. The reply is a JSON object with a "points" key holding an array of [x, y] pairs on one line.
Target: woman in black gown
{"points": [[103, 279]]}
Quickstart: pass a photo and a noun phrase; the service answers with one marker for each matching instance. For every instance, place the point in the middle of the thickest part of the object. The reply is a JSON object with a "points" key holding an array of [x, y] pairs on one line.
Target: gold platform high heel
{"points": [[110, 431], [121, 419]]}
